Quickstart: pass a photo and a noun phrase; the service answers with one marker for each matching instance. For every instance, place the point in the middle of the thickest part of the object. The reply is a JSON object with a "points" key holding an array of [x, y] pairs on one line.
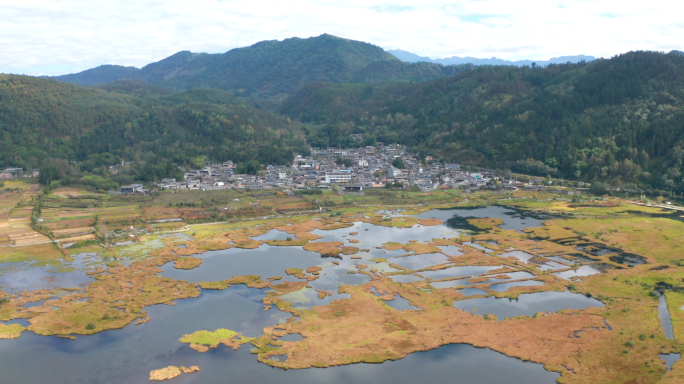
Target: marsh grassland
{"points": [[578, 287]]}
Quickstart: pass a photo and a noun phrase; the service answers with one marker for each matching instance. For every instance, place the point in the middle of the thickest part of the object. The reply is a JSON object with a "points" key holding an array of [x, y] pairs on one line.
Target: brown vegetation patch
{"points": [[115, 299], [382, 333], [430, 222], [217, 285], [248, 243], [171, 372], [487, 223], [287, 243], [301, 230], [350, 250], [296, 272], [11, 331], [331, 227], [187, 262], [288, 286], [331, 248]]}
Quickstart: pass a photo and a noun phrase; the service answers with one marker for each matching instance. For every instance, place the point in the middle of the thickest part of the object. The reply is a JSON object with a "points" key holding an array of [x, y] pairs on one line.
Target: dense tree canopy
{"points": [[44, 119], [619, 120]]}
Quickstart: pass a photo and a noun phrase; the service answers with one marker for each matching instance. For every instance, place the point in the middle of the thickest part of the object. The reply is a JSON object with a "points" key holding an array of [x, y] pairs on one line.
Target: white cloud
{"points": [[61, 36]]}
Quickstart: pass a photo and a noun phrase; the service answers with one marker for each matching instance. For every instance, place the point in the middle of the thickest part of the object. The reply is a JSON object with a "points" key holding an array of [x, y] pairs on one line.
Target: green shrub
{"points": [[90, 326]]}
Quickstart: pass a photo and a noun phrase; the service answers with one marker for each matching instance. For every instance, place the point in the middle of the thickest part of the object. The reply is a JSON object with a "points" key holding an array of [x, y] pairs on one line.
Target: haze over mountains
{"points": [[455, 60]]}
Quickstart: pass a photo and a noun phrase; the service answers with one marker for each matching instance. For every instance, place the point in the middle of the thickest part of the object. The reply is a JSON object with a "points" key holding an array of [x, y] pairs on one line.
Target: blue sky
{"points": [[62, 36]]}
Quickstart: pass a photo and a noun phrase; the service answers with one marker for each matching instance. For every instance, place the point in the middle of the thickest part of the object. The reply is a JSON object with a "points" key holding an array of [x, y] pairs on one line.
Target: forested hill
{"points": [[42, 120], [272, 70], [619, 120]]}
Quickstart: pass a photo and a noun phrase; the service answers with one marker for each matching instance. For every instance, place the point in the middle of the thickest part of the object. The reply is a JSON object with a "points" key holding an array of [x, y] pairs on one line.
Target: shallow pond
{"points": [[520, 255], [585, 270], [505, 286], [456, 272], [664, 315], [669, 359], [265, 261], [401, 304], [17, 277], [406, 278], [492, 279], [577, 258], [527, 304], [512, 219], [274, 234], [471, 291], [450, 250], [417, 262], [371, 235]]}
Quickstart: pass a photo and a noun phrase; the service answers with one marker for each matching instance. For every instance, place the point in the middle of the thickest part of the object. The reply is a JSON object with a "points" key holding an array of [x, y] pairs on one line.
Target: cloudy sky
{"points": [[64, 36]]}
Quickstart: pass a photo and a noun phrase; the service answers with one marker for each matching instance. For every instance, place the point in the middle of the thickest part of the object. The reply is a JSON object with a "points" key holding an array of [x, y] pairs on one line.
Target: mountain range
{"points": [[269, 71], [617, 120], [456, 60]]}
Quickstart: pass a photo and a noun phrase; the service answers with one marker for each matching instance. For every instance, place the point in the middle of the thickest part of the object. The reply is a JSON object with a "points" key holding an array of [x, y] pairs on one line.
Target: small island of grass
{"points": [[203, 340], [187, 263], [11, 331]]}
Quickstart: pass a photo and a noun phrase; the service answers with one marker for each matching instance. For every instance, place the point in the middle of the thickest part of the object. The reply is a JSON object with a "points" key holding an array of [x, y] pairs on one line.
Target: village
{"points": [[353, 170], [348, 171]]}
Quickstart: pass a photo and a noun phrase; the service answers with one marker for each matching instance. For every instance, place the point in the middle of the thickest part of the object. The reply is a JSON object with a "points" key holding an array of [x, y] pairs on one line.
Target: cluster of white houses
{"points": [[352, 169], [15, 173]]}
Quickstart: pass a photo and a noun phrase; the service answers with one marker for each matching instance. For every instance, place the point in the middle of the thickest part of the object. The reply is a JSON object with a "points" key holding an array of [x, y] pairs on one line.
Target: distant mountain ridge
{"points": [[456, 60], [270, 70]]}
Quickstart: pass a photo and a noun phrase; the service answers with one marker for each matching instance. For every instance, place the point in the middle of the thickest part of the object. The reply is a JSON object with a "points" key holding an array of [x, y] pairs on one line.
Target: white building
{"points": [[337, 177]]}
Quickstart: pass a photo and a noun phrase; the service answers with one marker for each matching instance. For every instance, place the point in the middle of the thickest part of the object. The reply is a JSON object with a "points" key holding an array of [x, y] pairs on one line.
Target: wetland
{"points": [[492, 292]]}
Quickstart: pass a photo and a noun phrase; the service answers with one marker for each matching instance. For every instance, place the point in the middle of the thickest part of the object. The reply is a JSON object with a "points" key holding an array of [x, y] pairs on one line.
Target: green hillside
{"points": [[619, 120], [102, 74], [269, 71], [43, 119]]}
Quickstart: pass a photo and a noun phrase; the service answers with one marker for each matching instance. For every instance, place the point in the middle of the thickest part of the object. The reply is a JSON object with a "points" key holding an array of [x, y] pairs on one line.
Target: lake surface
{"points": [[129, 354]]}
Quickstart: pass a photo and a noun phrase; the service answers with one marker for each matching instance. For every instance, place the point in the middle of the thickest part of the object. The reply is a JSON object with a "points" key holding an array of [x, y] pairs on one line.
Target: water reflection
{"points": [[527, 304], [669, 359], [265, 261], [664, 315], [31, 276], [512, 219], [401, 304], [585, 270]]}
